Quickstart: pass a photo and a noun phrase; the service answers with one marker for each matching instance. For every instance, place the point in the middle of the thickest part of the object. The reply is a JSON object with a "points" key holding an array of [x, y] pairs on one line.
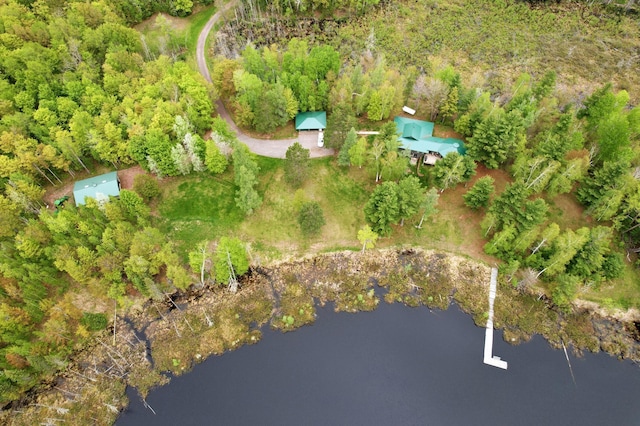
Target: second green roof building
{"points": [[417, 136], [98, 187]]}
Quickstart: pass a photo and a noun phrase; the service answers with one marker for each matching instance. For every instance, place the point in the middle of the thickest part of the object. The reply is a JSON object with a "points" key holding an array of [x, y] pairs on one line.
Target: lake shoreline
{"points": [[173, 336]]}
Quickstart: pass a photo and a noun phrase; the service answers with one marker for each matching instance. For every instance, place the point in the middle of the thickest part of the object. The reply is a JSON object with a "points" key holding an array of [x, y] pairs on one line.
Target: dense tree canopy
{"points": [[78, 87], [270, 86]]}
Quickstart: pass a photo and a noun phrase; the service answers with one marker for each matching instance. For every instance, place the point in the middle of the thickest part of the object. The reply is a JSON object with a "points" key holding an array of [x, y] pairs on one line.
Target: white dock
{"points": [[489, 359]]}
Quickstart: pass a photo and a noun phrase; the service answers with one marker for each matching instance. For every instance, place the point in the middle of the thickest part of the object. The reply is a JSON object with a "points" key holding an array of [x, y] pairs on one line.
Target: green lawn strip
{"points": [[197, 22], [622, 293], [198, 207], [202, 207], [275, 224], [342, 195]]}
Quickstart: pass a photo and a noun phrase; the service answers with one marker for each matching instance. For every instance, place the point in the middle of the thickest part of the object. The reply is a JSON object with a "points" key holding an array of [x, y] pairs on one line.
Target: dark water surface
{"points": [[394, 366]]}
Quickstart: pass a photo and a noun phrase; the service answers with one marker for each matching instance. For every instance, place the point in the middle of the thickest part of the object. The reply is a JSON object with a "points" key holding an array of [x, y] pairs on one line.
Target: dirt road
{"points": [[275, 148]]}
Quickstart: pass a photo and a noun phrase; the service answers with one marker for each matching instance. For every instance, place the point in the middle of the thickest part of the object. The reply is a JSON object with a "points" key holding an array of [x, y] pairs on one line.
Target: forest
{"points": [[82, 90]]}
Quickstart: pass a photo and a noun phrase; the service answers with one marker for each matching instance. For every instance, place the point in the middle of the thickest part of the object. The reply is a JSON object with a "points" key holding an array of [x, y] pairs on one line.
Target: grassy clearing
{"points": [[622, 293], [567, 212], [186, 30], [198, 207], [275, 224], [202, 207]]}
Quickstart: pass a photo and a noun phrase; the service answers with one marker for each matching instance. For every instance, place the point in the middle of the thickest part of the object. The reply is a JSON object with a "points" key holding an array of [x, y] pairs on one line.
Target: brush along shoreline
{"points": [[170, 336]]}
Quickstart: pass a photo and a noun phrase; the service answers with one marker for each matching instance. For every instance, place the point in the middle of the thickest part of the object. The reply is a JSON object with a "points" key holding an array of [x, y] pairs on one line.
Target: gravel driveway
{"points": [[275, 148]]}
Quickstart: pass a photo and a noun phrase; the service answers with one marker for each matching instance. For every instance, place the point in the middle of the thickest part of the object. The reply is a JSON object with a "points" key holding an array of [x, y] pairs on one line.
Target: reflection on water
{"points": [[394, 366]]}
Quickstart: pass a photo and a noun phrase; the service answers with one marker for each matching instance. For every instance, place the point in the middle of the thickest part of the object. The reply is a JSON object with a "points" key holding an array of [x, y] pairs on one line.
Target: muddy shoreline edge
{"points": [[158, 339]]}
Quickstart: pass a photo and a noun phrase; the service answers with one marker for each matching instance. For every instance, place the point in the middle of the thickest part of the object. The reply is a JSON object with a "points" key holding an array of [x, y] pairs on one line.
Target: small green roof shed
{"points": [[99, 188], [312, 120]]}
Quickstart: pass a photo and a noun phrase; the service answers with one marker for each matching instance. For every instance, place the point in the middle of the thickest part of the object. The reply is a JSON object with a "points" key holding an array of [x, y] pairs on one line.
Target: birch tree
{"points": [[199, 259], [358, 152], [375, 154], [453, 169], [565, 248], [192, 145], [367, 237], [566, 176], [548, 235], [535, 173], [428, 205], [181, 159], [231, 259]]}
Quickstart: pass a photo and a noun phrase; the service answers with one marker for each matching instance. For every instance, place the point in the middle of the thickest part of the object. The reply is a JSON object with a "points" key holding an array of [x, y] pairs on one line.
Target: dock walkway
{"points": [[489, 359]]}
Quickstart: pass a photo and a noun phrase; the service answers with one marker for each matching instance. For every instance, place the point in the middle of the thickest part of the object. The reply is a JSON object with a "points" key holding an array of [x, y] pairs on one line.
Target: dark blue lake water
{"points": [[394, 366]]}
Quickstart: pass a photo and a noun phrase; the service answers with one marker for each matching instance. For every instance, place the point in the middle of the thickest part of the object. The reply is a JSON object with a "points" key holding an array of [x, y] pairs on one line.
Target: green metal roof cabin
{"points": [[417, 136], [312, 120], [99, 188]]}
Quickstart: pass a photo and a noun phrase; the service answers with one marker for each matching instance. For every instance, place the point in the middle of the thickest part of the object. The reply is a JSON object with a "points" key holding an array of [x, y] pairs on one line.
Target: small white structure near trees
{"points": [[408, 110]]}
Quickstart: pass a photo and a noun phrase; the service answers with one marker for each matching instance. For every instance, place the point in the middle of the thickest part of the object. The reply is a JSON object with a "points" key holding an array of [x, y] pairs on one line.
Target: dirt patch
{"points": [[126, 176], [179, 24], [568, 212], [467, 222], [54, 193], [446, 132], [500, 177]]}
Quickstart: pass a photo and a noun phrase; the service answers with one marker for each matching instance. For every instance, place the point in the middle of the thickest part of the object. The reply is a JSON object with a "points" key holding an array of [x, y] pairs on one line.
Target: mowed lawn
{"points": [[274, 228], [202, 207], [197, 208]]}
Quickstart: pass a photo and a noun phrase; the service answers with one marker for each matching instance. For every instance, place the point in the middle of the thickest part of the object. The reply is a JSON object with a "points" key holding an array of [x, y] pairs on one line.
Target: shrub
{"points": [[94, 322], [146, 186], [296, 166], [311, 218], [479, 194], [613, 265], [565, 291]]}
